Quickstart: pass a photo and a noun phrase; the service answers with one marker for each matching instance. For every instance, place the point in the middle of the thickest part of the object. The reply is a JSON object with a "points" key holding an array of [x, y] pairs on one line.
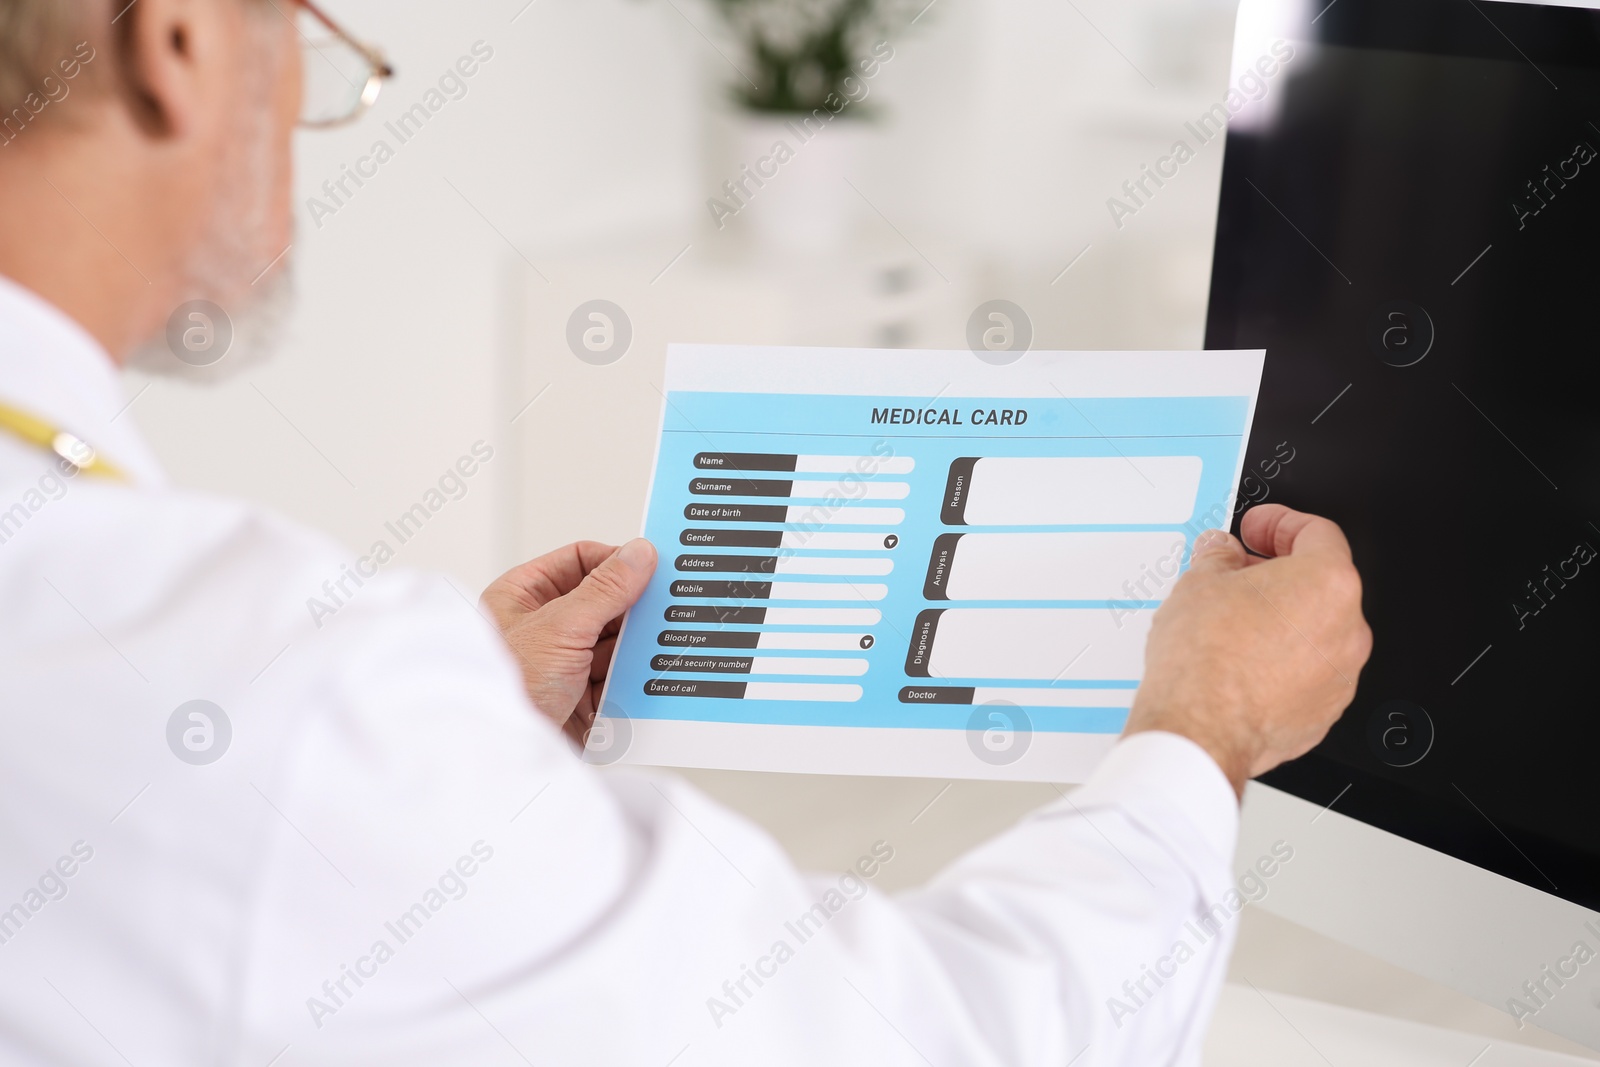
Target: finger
{"points": [[582, 718], [1275, 530], [1217, 550], [604, 649], [554, 574], [606, 592]]}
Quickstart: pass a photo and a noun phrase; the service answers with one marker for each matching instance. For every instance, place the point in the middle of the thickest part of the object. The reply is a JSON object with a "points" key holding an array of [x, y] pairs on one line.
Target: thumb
{"points": [[1217, 550], [607, 591]]}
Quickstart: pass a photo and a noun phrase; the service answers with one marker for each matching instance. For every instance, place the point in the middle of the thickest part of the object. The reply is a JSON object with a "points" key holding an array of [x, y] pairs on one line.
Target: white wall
{"points": [[1002, 126]]}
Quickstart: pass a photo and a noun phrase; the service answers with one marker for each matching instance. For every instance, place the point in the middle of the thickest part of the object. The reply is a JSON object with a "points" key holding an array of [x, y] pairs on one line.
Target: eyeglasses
{"points": [[343, 76]]}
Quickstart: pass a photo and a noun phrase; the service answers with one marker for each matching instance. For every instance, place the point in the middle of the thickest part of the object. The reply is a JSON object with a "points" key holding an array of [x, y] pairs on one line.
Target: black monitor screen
{"points": [[1409, 227]]}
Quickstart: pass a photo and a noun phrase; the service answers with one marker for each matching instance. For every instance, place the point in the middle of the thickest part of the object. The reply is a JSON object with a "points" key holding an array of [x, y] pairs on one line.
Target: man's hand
{"points": [[1254, 659], [560, 614]]}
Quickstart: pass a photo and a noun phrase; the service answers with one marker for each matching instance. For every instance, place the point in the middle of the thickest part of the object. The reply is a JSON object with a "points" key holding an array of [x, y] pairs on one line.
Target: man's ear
{"points": [[166, 48]]}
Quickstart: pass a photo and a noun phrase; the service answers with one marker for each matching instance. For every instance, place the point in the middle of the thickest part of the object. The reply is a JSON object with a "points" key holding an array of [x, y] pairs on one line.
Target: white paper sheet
{"points": [[915, 563]]}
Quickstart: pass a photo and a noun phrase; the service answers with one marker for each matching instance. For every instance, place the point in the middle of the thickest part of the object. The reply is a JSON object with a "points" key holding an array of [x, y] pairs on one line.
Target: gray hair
{"points": [[36, 37]]}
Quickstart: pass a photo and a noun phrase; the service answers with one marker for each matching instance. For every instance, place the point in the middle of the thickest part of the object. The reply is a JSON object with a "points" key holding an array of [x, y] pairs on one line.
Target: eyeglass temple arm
{"points": [[375, 57]]}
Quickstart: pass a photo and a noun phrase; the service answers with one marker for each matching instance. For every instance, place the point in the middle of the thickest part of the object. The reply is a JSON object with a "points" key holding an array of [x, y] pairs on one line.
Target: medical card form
{"points": [[915, 562]]}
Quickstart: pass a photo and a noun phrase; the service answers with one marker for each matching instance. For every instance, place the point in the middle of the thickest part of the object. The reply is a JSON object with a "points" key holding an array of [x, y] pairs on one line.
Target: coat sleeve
{"points": [[491, 899]]}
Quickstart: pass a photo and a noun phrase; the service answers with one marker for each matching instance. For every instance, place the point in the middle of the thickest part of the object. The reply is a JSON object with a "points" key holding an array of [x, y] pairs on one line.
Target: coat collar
{"points": [[53, 369]]}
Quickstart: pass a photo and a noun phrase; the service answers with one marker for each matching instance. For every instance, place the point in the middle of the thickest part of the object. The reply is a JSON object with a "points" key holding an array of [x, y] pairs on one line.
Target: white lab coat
{"points": [[398, 861]]}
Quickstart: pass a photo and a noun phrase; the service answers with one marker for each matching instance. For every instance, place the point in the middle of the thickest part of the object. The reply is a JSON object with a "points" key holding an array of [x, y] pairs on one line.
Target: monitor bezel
{"points": [[1366, 796]]}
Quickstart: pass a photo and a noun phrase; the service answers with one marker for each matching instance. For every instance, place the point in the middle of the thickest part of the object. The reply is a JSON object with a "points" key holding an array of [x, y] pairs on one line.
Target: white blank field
{"points": [[855, 542], [1064, 566], [823, 616], [844, 515], [1055, 698], [806, 665], [860, 489], [802, 691], [1045, 644], [810, 642], [864, 466], [834, 565], [828, 591], [1073, 490]]}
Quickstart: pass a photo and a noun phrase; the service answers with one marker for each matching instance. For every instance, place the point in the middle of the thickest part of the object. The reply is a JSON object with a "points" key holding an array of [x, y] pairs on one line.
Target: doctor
{"points": [[364, 845]]}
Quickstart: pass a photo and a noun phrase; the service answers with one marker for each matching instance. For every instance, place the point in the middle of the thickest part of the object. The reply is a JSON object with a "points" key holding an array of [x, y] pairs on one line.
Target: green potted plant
{"points": [[806, 70], [798, 52]]}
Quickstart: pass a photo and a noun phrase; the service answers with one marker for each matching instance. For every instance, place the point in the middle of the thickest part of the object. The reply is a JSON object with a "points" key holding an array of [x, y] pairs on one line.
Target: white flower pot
{"points": [[790, 187]]}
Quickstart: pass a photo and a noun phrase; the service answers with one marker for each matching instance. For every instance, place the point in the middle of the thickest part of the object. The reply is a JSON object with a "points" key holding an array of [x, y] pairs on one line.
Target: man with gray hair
{"points": [[231, 835]]}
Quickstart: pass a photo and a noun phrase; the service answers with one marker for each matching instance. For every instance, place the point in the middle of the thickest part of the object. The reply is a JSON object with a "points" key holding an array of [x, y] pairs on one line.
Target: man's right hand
{"points": [[1254, 659]]}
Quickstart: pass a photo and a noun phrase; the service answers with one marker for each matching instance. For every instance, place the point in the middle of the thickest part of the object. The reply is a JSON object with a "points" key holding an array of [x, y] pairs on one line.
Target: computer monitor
{"points": [[1410, 226]]}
